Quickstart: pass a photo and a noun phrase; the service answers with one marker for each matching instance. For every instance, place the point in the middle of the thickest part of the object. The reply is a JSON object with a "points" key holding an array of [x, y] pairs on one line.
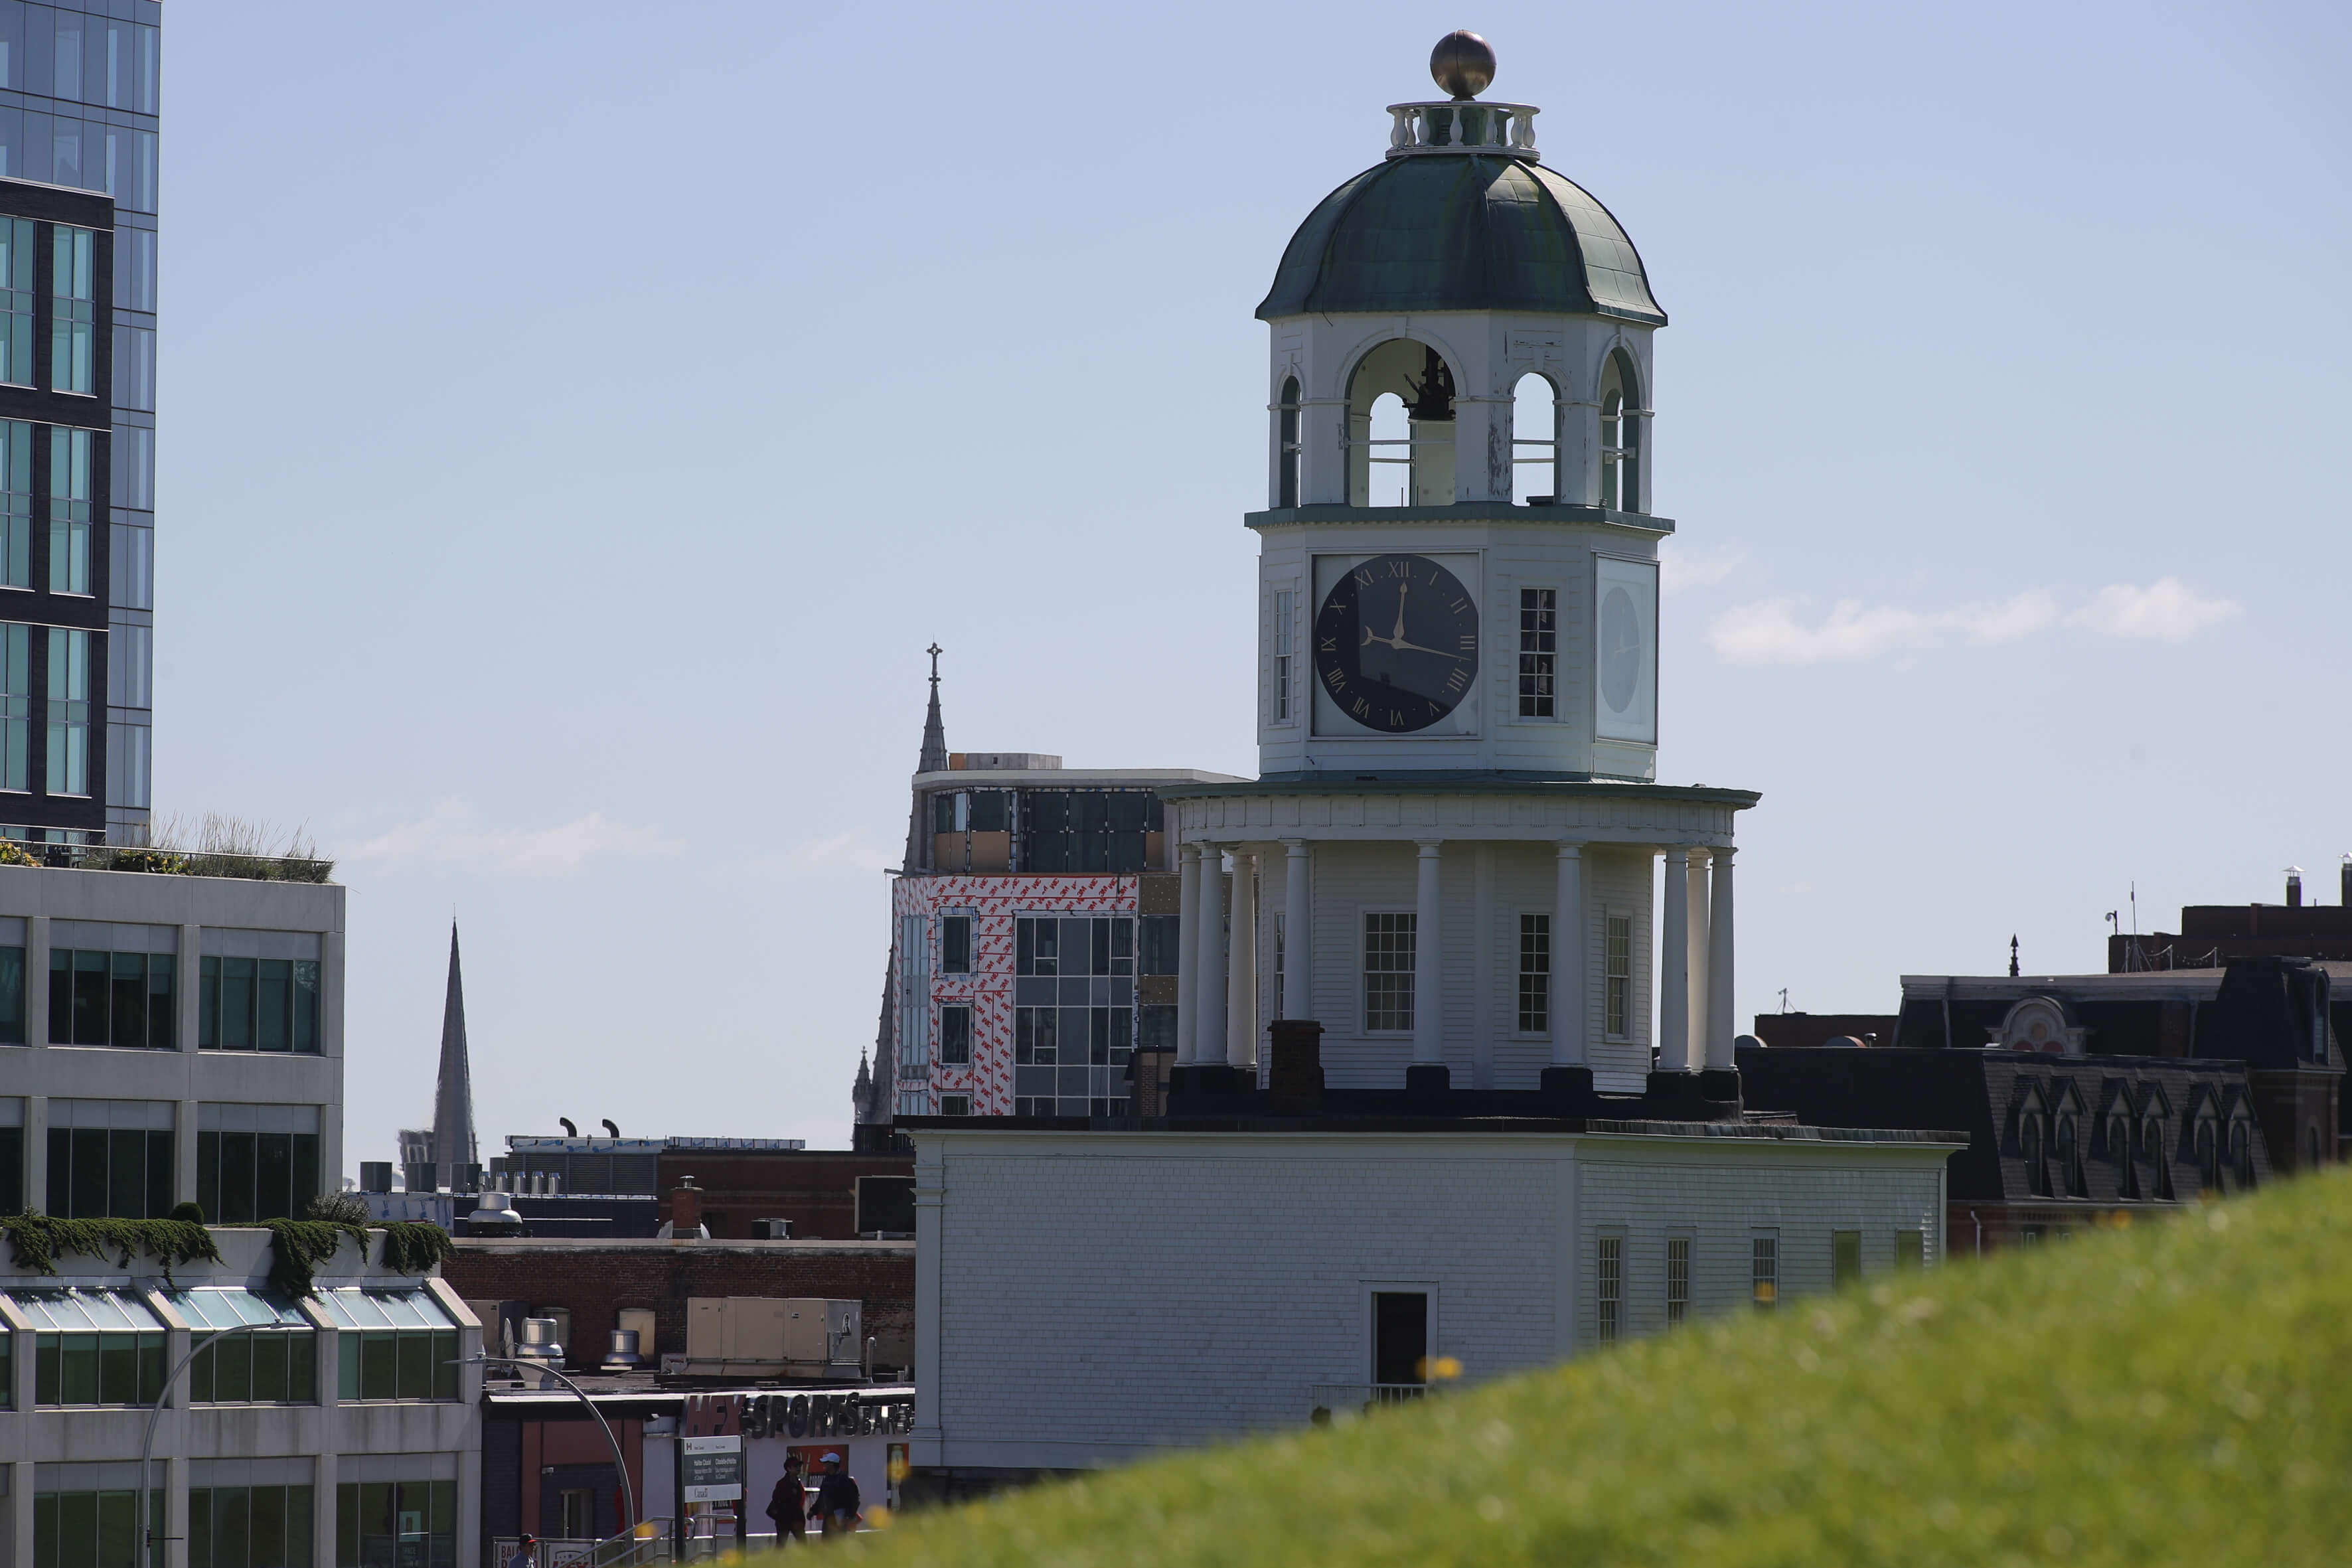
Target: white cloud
{"points": [[1681, 566], [2166, 610], [453, 834], [1771, 632], [1779, 631]]}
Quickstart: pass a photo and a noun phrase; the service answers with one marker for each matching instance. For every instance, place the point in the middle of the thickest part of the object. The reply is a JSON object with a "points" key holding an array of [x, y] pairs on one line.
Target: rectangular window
{"points": [[1764, 1269], [393, 1344], [69, 516], [273, 1359], [112, 999], [1036, 946], [92, 1346], [1617, 973], [1535, 973], [16, 259], [955, 1036], [68, 715], [401, 1520], [1678, 1279], [1388, 971], [15, 707], [110, 1159], [257, 1004], [1609, 1288], [73, 328], [955, 945], [1284, 604], [1846, 1258], [12, 1029], [75, 1527], [1160, 935], [1538, 653], [1911, 1250], [955, 1105], [1033, 1036], [256, 1162], [250, 1526], [16, 499]]}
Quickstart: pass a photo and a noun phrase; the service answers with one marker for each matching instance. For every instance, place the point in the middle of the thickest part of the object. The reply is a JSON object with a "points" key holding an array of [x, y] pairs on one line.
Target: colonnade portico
{"points": [[1223, 1017]]}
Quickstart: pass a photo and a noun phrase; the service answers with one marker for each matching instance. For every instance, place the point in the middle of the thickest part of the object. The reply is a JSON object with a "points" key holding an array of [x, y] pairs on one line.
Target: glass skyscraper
{"points": [[79, 93]]}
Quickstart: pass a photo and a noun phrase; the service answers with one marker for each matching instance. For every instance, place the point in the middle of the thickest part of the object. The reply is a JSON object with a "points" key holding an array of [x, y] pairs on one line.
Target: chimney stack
{"points": [[2294, 887], [685, 1208]]}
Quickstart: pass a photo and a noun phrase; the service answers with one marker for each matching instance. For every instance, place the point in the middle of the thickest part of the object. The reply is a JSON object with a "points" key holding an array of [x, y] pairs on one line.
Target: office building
{"points": [[78, 95]]}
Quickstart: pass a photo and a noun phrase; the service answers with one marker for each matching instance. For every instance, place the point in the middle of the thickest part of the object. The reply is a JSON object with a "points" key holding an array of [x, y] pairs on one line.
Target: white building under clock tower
{"points": [[1447, 860]]}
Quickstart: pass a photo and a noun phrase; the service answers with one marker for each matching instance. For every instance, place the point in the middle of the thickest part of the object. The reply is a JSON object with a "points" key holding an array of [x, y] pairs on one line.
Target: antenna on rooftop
{"points": [[1784, 998]]}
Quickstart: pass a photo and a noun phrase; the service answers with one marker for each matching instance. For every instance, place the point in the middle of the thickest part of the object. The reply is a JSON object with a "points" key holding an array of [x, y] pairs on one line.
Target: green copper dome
{"points": [[1460, 233]]}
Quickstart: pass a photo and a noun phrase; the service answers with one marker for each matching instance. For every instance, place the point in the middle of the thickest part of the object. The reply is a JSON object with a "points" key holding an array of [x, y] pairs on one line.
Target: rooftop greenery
{"points": [[2168, 1393], [215, 845]]}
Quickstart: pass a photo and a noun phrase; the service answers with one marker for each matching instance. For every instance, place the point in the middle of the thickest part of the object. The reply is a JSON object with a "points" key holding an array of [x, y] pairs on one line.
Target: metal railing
{"points": [[650, 1543], [1326, 1400]]}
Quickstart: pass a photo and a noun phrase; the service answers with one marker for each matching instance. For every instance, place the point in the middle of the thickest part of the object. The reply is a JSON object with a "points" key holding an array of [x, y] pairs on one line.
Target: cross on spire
{"points": [[935, 737]]}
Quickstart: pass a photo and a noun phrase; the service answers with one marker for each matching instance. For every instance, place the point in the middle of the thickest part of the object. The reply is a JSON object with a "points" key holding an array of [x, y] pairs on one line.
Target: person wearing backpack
{"points": [[835, 1509]]}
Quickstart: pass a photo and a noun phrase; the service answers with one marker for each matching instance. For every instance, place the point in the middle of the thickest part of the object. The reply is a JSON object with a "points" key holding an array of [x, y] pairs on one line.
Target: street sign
{"points": [[711, 1468]]}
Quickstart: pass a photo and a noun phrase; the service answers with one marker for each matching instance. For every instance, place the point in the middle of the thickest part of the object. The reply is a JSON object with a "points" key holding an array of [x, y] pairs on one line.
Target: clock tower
{"points": [[1447, 860]]}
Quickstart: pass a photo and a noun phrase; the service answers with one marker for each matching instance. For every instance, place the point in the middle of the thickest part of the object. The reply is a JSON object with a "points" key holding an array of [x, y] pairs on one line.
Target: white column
{"points": [[1673, 966], [1188, 950], [1241, 972], [1568, 958], [1698, 951], [1298, 929], [1428, 1002], [1722, 1027], [1208, 997]]}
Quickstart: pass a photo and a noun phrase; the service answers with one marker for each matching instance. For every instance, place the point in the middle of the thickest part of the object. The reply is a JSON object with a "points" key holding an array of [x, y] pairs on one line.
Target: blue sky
{"points": [[576, 420]]}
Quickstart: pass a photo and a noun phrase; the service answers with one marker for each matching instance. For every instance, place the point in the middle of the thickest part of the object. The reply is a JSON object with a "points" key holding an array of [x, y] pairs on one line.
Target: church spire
{"points": [[935, 734], [453, 1097]]}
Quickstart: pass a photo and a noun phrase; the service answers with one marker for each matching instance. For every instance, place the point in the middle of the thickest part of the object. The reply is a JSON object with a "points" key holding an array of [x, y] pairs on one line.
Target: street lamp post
{"points": [[156, 1414], [620, 1465]]}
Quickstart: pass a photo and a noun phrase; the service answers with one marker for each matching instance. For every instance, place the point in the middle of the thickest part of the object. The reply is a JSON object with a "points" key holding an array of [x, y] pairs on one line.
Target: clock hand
{"points": [[1403, 646], [1397, 636]]}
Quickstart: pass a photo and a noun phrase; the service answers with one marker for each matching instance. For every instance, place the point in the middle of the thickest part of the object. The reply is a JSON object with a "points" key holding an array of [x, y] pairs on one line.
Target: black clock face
{"points": [[1396, 643]]}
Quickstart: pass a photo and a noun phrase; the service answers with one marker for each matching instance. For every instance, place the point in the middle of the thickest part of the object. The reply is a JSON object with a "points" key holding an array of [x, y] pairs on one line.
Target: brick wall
{"points": [[596, 1281], [815, 1189]]}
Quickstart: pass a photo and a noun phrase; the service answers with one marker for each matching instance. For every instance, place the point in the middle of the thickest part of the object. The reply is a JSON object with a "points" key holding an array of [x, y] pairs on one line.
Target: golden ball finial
{"points": [[1463, 63]]}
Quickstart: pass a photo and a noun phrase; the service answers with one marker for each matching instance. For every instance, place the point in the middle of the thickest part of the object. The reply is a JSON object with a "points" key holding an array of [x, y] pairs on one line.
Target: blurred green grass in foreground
{"points": [[2178, 1391]]}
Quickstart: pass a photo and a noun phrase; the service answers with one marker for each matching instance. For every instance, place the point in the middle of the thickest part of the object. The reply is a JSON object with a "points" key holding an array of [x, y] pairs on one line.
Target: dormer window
{"points": [[2029, 1142], [2070, 1157], [2152, 1144], [2119, 1149], [1621, 434], [2209, 1155], [2241, 1154]]}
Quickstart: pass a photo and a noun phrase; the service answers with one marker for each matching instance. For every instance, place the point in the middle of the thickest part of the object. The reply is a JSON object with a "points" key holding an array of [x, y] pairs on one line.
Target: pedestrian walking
{"points": [[836, 1508], [526, 1554], [788, 1506]]}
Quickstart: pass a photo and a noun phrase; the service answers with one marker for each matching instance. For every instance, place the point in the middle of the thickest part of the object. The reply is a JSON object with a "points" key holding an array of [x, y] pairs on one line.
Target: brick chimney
{"points": [[684, 1207]]}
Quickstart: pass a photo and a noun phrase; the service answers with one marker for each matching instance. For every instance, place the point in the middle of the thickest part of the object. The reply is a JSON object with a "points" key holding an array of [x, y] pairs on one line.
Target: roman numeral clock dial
{"points": [[1396, 643]]}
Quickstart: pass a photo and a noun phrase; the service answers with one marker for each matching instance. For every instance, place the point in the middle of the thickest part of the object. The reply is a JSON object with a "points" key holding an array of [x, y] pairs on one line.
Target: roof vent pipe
{"points": [[2294, 887], [2344, 881]]}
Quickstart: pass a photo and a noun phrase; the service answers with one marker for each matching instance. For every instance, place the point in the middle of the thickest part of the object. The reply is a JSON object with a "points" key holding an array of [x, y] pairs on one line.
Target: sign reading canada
{"points": [[711, 1468]]}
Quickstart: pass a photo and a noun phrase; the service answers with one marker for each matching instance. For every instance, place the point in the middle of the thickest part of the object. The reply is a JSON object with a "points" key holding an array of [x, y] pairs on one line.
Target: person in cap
{"points": [[526, 1553], [837, 1504], [788, 1505]]}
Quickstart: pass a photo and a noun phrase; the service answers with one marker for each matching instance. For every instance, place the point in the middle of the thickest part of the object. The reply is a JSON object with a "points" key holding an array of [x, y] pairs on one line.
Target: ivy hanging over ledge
{"points": [[297, 1247], [36, 1241]]}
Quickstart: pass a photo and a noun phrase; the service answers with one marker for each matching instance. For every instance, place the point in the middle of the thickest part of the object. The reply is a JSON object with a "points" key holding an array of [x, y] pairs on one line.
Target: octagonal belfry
{"points": [[1443, 879]]}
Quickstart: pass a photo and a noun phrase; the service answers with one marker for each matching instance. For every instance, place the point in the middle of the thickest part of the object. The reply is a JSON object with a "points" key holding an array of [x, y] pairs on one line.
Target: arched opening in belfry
{"points": [[1400, 427], [1285, 436], [1620, 434], [1534, 441]]}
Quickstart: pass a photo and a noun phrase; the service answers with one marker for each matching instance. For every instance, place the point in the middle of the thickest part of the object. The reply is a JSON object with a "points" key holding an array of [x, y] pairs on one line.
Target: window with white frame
{"points": [[68, 724], [73, 328], [1764, 1269], [1535, 973], [1388, 952], [1678, 1279], [1608, 1288], [1910, 1250], [1617, 975], [1538, 653], [1284, 604], [1846, 1258]]}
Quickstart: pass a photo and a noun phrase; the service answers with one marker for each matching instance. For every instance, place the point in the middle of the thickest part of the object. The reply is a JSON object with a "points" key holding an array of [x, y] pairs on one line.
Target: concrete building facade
{"points": [[340, 1430], [169, 1039]]}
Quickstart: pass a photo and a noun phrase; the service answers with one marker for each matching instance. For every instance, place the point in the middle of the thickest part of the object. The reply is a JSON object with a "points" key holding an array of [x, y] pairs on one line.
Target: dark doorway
{"points": [[1400, 1336]]}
